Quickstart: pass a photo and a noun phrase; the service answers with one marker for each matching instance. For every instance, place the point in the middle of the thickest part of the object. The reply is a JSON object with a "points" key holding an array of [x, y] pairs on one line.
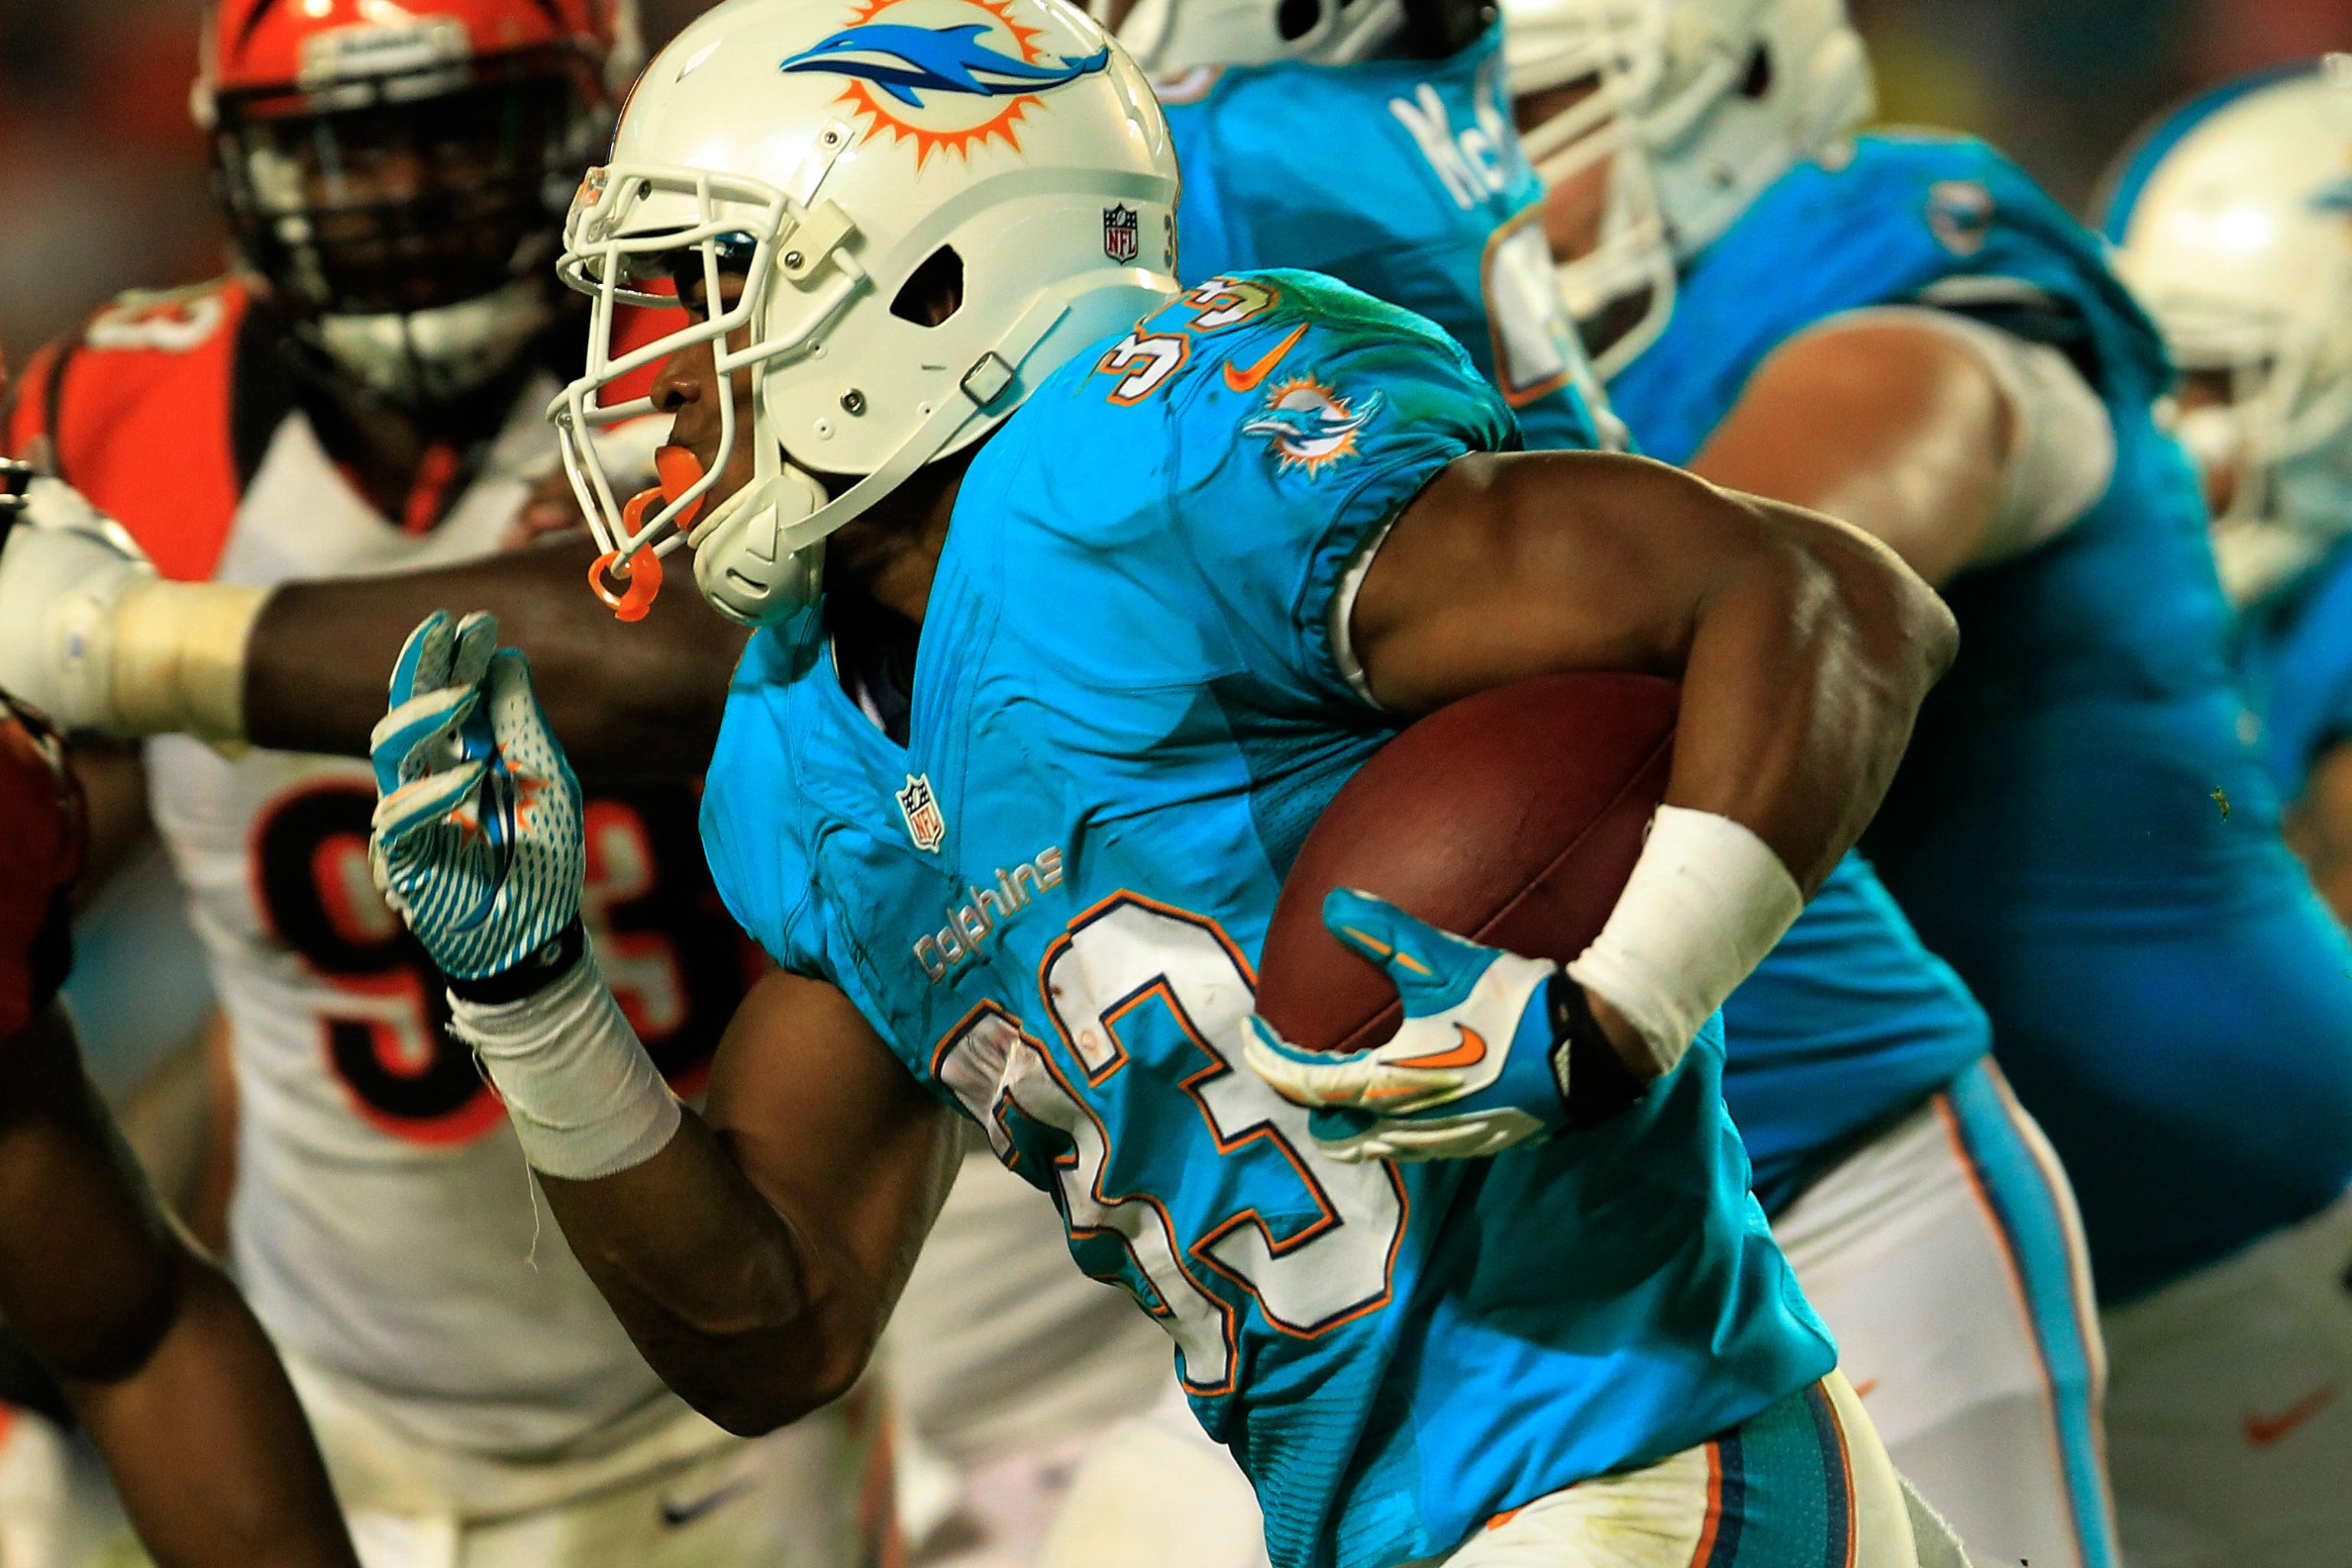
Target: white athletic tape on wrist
{"points": [[1708, 900], [179, 658], [584, 1098]]}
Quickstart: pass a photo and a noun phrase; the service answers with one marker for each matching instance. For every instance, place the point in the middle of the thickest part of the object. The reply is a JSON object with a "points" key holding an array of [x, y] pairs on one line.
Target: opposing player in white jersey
{"points": [[2232, 216], [364, 395]]}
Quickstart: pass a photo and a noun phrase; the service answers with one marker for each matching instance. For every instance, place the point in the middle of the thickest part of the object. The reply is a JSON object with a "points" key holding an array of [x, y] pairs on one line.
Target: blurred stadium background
{"points": [[102, 185]]}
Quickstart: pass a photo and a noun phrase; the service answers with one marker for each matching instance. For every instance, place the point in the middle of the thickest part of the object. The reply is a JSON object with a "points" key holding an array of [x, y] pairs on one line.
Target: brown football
{"points": [[1513, 816]]}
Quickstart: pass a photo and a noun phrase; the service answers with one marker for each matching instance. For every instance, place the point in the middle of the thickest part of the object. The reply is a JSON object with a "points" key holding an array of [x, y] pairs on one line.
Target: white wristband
{"points": [[1708, 900], [179, 658], [585, 1099]]}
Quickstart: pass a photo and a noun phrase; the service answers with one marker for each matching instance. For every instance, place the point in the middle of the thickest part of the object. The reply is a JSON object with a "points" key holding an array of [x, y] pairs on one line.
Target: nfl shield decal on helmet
{"points": [[947, 75], [1122, 233], [920, 807], [1309, 425]]}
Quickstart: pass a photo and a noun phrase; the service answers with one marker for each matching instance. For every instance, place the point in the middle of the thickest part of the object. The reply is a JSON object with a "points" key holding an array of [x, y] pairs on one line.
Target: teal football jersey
{"points": [[1404, 179], [2080, 827], [1131, 702]]}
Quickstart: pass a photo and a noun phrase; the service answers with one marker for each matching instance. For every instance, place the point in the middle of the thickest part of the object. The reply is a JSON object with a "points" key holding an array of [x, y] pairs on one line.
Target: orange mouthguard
{"points": [[679, 471], [641, 574]]}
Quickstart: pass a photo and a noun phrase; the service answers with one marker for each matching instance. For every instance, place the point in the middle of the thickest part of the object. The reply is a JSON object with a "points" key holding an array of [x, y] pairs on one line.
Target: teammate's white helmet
{"points": [[830, 151], [1178, 35], [1615, 49], [1746, 91], [1184, 35], [2233, 216]]}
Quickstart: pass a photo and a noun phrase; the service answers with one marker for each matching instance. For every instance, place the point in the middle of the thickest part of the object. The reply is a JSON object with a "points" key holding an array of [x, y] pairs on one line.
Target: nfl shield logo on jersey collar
{"points": [[920, 807]]}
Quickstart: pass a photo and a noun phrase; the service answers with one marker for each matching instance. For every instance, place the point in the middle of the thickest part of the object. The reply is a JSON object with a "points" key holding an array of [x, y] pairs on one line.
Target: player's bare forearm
{"points": [[723, 1300], [755, 1259], [1804, 646], [1898, 431], [629, 700], [208, 1445], [175, 1381]]}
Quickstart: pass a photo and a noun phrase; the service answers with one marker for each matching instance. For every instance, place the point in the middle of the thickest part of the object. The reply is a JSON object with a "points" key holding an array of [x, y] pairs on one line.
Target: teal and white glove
{"points": [[478, 840], [1478, 1064]]}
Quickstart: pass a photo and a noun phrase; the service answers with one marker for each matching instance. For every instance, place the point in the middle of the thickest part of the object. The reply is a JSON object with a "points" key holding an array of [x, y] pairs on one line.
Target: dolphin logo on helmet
{"points": [[905, 61]]}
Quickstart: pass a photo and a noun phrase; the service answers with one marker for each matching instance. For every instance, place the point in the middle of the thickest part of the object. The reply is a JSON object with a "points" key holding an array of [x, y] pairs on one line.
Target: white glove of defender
{"points": [[64, 569]]}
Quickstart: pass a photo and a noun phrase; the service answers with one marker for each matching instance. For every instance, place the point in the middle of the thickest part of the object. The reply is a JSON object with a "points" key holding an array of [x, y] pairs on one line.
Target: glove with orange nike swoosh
{"points": [[1480, 1063]]}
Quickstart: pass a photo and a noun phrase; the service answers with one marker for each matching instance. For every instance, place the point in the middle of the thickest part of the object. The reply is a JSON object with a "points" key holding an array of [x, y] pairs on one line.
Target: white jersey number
{"points": [[1133, 976]]}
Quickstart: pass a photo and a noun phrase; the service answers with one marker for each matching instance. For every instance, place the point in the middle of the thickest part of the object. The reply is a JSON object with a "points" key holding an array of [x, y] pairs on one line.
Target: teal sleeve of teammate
{"points": [[1404, 179]]}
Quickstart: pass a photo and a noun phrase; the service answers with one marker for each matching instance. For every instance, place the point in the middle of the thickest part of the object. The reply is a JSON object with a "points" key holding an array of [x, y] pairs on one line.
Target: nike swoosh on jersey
{"points": [[1469, 1053], [2262, 1431], [674, 1515], [1242, 380]]}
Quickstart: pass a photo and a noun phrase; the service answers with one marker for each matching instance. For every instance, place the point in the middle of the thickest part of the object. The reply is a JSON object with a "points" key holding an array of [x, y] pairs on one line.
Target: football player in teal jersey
{"points": [[1903, 329], [1078, 596], [2232, 216]]}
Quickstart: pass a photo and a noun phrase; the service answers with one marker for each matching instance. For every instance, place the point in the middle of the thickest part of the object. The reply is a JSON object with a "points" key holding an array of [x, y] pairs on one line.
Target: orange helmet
{"points": [[397, 175]]}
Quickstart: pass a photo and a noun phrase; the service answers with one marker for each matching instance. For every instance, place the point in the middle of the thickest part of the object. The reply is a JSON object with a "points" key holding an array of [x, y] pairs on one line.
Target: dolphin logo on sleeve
{"points": [[1309, 425]]}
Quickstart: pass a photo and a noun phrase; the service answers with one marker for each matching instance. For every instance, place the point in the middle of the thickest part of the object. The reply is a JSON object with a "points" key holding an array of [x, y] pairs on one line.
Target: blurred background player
{"points": [[2233, 216], [161, 1360], [1904, 331], [1916, 1199], [364, 393], [1437, 210]]}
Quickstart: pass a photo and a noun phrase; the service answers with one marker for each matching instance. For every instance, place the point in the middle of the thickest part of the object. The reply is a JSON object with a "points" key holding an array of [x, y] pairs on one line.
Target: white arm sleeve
{"points": [[2064, 451]]}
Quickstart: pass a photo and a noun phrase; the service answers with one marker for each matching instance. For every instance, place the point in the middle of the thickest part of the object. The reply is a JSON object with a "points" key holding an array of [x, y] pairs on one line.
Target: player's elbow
{"points": [[752, 1401], [1897, 632], [118, 1341]]}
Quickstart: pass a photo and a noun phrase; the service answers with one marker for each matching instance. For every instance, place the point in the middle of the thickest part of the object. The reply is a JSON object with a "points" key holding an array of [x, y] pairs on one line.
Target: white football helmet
{"points": [[829, 151], [1615, 47], [1746, 91], [1185, 35], [1179, 35], [2234, 220]]}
